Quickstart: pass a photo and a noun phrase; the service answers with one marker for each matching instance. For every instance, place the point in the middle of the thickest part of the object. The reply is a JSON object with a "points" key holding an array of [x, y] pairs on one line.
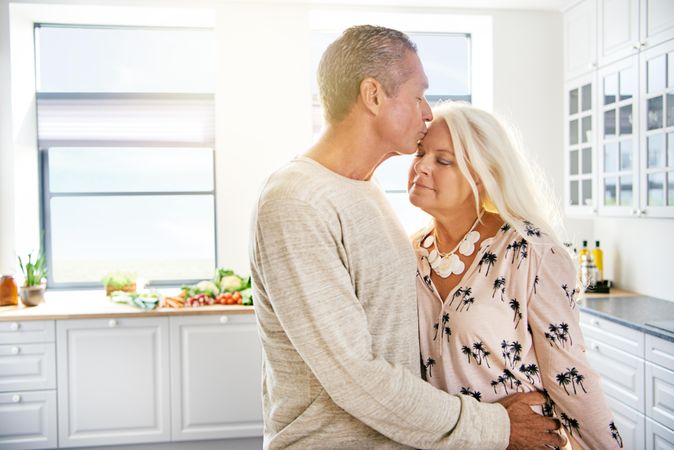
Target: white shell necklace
{"points": [[446, 264]]}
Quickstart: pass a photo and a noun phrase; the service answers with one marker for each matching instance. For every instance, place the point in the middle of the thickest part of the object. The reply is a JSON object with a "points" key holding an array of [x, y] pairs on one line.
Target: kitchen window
{"points": [[125, 119]]}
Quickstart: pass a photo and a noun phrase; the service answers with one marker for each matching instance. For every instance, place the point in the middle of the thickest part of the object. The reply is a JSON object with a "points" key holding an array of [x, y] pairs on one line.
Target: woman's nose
{"points": [[421, 165]]}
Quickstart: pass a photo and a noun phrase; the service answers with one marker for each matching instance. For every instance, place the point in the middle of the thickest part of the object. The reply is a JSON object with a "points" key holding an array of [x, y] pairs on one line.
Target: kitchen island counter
{"points": [[94, 304]]}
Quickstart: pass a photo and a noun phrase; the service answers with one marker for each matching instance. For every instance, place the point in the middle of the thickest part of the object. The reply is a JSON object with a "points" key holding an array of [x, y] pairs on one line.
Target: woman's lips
{"points": [[423, 186]]}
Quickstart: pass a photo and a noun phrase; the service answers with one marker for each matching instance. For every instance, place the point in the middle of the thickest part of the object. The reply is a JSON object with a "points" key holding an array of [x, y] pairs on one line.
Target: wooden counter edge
{"points": [[17, 313]]}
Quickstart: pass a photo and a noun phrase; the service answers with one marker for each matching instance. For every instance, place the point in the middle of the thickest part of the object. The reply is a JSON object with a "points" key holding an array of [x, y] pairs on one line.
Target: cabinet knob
{"points": [[15, 350], [594, 346], [224, 319], [642, 212], [595, 322], [16, 398], [112, 323], [15, 326]]}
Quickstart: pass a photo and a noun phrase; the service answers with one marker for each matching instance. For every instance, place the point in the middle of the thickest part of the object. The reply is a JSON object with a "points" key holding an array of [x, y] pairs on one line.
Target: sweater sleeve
{"points": [[302, 268], [571, 384]]}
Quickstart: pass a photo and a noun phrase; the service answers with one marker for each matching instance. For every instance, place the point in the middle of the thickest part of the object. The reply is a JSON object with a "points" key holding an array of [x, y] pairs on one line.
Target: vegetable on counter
{"points": [[226, 288]]}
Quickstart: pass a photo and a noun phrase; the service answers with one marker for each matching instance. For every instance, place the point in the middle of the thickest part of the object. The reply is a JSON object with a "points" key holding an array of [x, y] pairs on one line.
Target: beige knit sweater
{"points": [[334, 289]]}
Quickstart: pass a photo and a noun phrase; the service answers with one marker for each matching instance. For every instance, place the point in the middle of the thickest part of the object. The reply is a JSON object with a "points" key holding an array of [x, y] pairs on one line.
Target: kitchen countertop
{"points": [[648, 314], [94, 304]]}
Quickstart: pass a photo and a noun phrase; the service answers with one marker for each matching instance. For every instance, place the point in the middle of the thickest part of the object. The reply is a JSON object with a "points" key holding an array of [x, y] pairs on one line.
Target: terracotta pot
{"points": [[32, 295]]}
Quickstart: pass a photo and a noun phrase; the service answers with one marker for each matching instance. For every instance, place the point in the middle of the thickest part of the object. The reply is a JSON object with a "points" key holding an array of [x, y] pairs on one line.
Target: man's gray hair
{"points": [[362, 51]]}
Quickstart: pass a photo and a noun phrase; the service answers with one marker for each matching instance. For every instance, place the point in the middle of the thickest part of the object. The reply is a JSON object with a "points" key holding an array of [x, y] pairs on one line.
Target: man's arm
{"points": [[314, 300]]}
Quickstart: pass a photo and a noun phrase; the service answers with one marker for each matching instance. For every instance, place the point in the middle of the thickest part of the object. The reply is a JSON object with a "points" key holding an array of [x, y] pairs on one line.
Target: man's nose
{"points": [[426, 112]]}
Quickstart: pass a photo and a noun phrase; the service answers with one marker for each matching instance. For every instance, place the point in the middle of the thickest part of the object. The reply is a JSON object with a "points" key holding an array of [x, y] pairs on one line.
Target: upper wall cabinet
{"points": [[600, 32], [657, 22], [580, 38], [617, 29]]}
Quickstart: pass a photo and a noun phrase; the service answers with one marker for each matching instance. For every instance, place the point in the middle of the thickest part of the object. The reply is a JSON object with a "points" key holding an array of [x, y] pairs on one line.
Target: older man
{"points": [[334, 278]]}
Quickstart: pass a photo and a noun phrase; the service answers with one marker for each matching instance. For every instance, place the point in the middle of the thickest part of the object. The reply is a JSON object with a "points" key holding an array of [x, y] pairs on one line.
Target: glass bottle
{"points": [[598, 257]]}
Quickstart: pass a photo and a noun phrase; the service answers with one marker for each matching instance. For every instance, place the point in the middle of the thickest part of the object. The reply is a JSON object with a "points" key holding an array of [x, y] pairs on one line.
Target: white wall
{"points": [[7, 250], [638, 254]]}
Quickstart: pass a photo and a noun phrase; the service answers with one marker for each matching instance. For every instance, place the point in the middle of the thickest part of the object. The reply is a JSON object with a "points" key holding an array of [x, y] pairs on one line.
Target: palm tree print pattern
{"points": [[488, 259], [615, 434], [570, 424], [515, 306], [499, 284], [573, 377], [511, 353], [558, 335], [531, 230], [446, 330], [466, 390], [508, 380], [570, 295], [531, 372], [478, 352], [428, 365]]}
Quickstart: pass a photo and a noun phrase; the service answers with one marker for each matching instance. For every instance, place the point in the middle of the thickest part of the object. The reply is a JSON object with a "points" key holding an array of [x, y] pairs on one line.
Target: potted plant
{"points": [[34, 273], [119, 281]]}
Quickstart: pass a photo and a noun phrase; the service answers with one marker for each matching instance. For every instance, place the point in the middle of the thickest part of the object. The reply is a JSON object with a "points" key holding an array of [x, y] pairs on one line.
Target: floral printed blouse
{"points": [[511, 325]]}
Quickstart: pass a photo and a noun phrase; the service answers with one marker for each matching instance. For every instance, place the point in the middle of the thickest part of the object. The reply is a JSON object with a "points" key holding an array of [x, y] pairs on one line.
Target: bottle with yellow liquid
{"points": [[598, 257]]}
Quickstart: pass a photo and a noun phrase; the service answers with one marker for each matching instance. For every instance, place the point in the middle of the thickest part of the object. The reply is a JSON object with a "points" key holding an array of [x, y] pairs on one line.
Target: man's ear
{"points": [[371, 94]]}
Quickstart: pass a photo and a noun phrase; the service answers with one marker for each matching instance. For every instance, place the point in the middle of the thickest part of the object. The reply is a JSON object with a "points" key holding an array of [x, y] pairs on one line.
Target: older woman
{"points": [[496, 291]]}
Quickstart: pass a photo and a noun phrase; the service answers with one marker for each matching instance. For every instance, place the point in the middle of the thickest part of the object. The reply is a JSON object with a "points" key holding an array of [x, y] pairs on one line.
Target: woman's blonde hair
{"points": [[513, 186]]}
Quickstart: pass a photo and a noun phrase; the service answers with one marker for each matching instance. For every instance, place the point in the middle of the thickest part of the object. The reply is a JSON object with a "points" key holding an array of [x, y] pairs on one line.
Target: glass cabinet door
{"points": [[618, 143], [580, 143], [657, 143]]}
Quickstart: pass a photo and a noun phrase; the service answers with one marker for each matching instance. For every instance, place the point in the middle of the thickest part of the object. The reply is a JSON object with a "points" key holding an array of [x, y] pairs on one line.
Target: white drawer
{"points": [[660, 351], [28, 420], [658, 437], [660, 394], [27, 331], [27, 367], [626, 339], [622, 374]]}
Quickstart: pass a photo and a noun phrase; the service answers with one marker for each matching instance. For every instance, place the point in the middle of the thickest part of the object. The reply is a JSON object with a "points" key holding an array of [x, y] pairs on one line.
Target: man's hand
{"points": [[529, 430]]}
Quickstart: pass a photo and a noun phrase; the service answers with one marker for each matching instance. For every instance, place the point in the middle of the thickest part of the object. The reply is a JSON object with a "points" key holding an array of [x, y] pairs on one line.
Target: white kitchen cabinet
{"points": [[113, 381], [658, 437], [28, 420], [657, 21], [27, 367], [657, 137], [216, 385], [617, 30], [622, 373], [580, 38], [579, 142], [631, 424], [618, 135], [637, 371], [27, 383]]}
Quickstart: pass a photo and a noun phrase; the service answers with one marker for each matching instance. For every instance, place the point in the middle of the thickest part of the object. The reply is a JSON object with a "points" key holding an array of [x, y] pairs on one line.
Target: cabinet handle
{"points": [[642, 212], [224, 319], [595, 322], [634, 212], [15, 350], [112, 323], [16, 398], [594, 346], [15, 326]]}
